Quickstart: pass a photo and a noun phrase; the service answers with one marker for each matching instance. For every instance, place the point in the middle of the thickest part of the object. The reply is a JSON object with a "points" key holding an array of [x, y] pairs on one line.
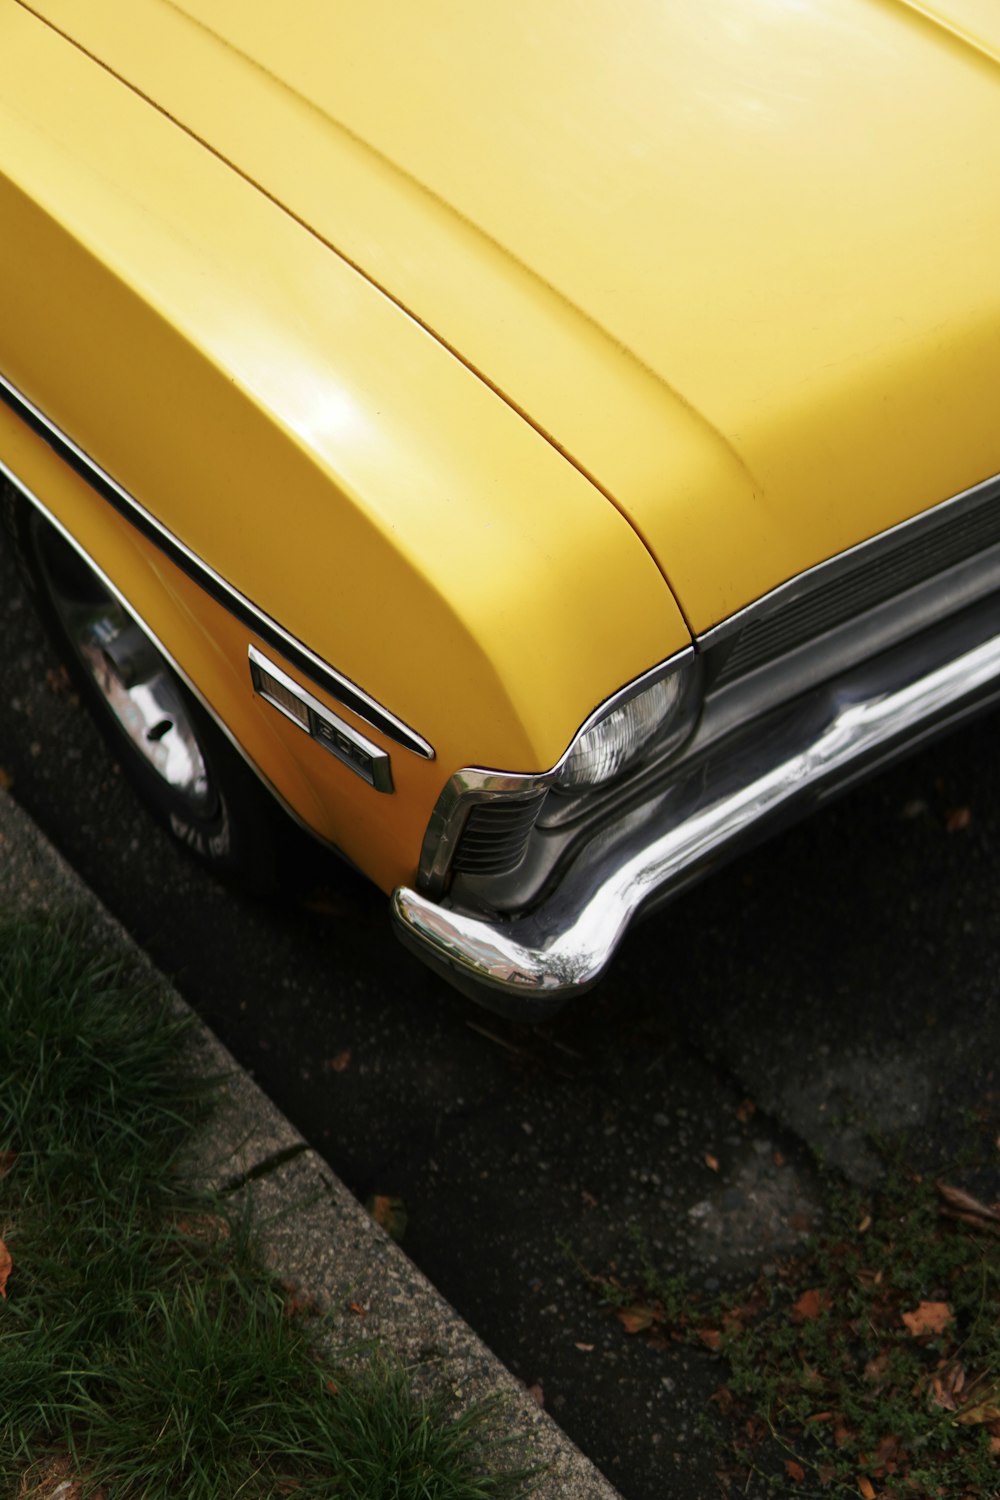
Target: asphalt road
{"points": [[844, 978]]}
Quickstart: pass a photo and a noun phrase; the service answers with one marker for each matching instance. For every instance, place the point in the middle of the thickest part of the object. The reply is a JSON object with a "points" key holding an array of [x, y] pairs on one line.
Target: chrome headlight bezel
{"points": [[474, 785], [649, 718]]}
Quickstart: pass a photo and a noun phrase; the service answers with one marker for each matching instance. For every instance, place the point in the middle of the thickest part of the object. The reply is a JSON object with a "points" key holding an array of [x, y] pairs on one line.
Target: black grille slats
{"points": [[496, 834], [882, 577]]}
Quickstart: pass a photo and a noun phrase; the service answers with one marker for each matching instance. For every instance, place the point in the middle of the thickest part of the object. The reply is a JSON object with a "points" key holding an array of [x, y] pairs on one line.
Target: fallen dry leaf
{"points": [[958, 1204], [6, 1266], [723, 1399], [323, 902], [866, 1487], [887, 1455], [210, 1228], [735, 1318], [710, 1337], [711, 1162], [390, 1213], [755, 1429], [795, 1472], [958, 819], [947, 1387], [296, 1303], [584, 1348], [340, 1063], [536, 1393], [928, 1318], [808, 1306], [635, 1318], [981, 1409]]}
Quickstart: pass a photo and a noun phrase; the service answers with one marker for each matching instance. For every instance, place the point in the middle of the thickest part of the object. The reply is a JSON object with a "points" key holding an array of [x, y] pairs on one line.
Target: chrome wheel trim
{"points": [[136, 684]]}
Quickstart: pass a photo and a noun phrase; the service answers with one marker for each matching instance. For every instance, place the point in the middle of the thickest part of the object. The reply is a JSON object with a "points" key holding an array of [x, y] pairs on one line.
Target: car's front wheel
{"points": [[176, 756]]}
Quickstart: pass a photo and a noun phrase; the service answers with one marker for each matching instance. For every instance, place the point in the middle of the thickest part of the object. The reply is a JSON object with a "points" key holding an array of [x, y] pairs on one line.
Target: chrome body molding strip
{"points": [[476, 784], [844, 562], [249, 614], [758, 778]]}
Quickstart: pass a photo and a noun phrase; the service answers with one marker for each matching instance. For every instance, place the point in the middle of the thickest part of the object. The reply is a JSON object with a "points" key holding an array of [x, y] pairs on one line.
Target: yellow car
{"points": [[542, 445]]}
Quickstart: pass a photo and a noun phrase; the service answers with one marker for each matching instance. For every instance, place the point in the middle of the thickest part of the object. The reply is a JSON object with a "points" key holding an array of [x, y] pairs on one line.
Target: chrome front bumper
{"points": [[756, 779]]}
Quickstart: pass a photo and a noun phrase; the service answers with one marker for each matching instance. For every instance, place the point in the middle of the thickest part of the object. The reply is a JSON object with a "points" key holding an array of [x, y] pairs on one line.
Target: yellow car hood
{"points": [[737, 261]]}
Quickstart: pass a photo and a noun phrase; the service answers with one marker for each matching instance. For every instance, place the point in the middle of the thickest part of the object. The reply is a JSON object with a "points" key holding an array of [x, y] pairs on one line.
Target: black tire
{"points": [[183, 767]]}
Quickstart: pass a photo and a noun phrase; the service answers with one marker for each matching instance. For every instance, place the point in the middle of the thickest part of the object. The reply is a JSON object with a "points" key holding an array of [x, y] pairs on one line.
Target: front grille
{"points": [[495, 835], [865, 602], [920, 556]]}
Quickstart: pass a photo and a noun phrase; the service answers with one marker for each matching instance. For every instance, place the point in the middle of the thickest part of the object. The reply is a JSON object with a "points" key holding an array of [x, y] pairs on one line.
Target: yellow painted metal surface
{"points": [[447, 332], [976, 21], [737, 260], [381, 834], [311, 441]]}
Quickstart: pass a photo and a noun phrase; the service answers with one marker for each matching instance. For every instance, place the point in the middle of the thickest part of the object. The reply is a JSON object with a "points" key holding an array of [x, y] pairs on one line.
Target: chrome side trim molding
{"points": [[531, 964], [843, 562], [249, 614]]}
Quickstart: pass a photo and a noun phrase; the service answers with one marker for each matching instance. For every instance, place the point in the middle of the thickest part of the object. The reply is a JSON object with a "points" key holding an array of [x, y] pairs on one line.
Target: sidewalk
{"points": [[310, 1230]]}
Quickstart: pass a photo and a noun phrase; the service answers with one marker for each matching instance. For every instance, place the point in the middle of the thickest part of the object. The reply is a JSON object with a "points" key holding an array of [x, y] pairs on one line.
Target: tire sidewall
{"points": [[237, 836]]}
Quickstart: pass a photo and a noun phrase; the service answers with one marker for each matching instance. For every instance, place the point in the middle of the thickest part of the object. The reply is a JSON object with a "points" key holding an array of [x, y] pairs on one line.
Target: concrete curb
{"points": [[311, 1230]]}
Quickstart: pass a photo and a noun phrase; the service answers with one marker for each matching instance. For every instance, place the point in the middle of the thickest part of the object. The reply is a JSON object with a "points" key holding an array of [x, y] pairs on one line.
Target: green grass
{"points": [[825, 1388], [143, 1349]]}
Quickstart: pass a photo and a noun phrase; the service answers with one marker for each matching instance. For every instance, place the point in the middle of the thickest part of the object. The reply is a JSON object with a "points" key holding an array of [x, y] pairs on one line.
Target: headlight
{"points": [[662, 713]]}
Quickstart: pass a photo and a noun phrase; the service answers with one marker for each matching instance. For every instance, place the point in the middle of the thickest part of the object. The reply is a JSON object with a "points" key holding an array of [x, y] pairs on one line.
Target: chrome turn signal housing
{"points": [[352, 749]]}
